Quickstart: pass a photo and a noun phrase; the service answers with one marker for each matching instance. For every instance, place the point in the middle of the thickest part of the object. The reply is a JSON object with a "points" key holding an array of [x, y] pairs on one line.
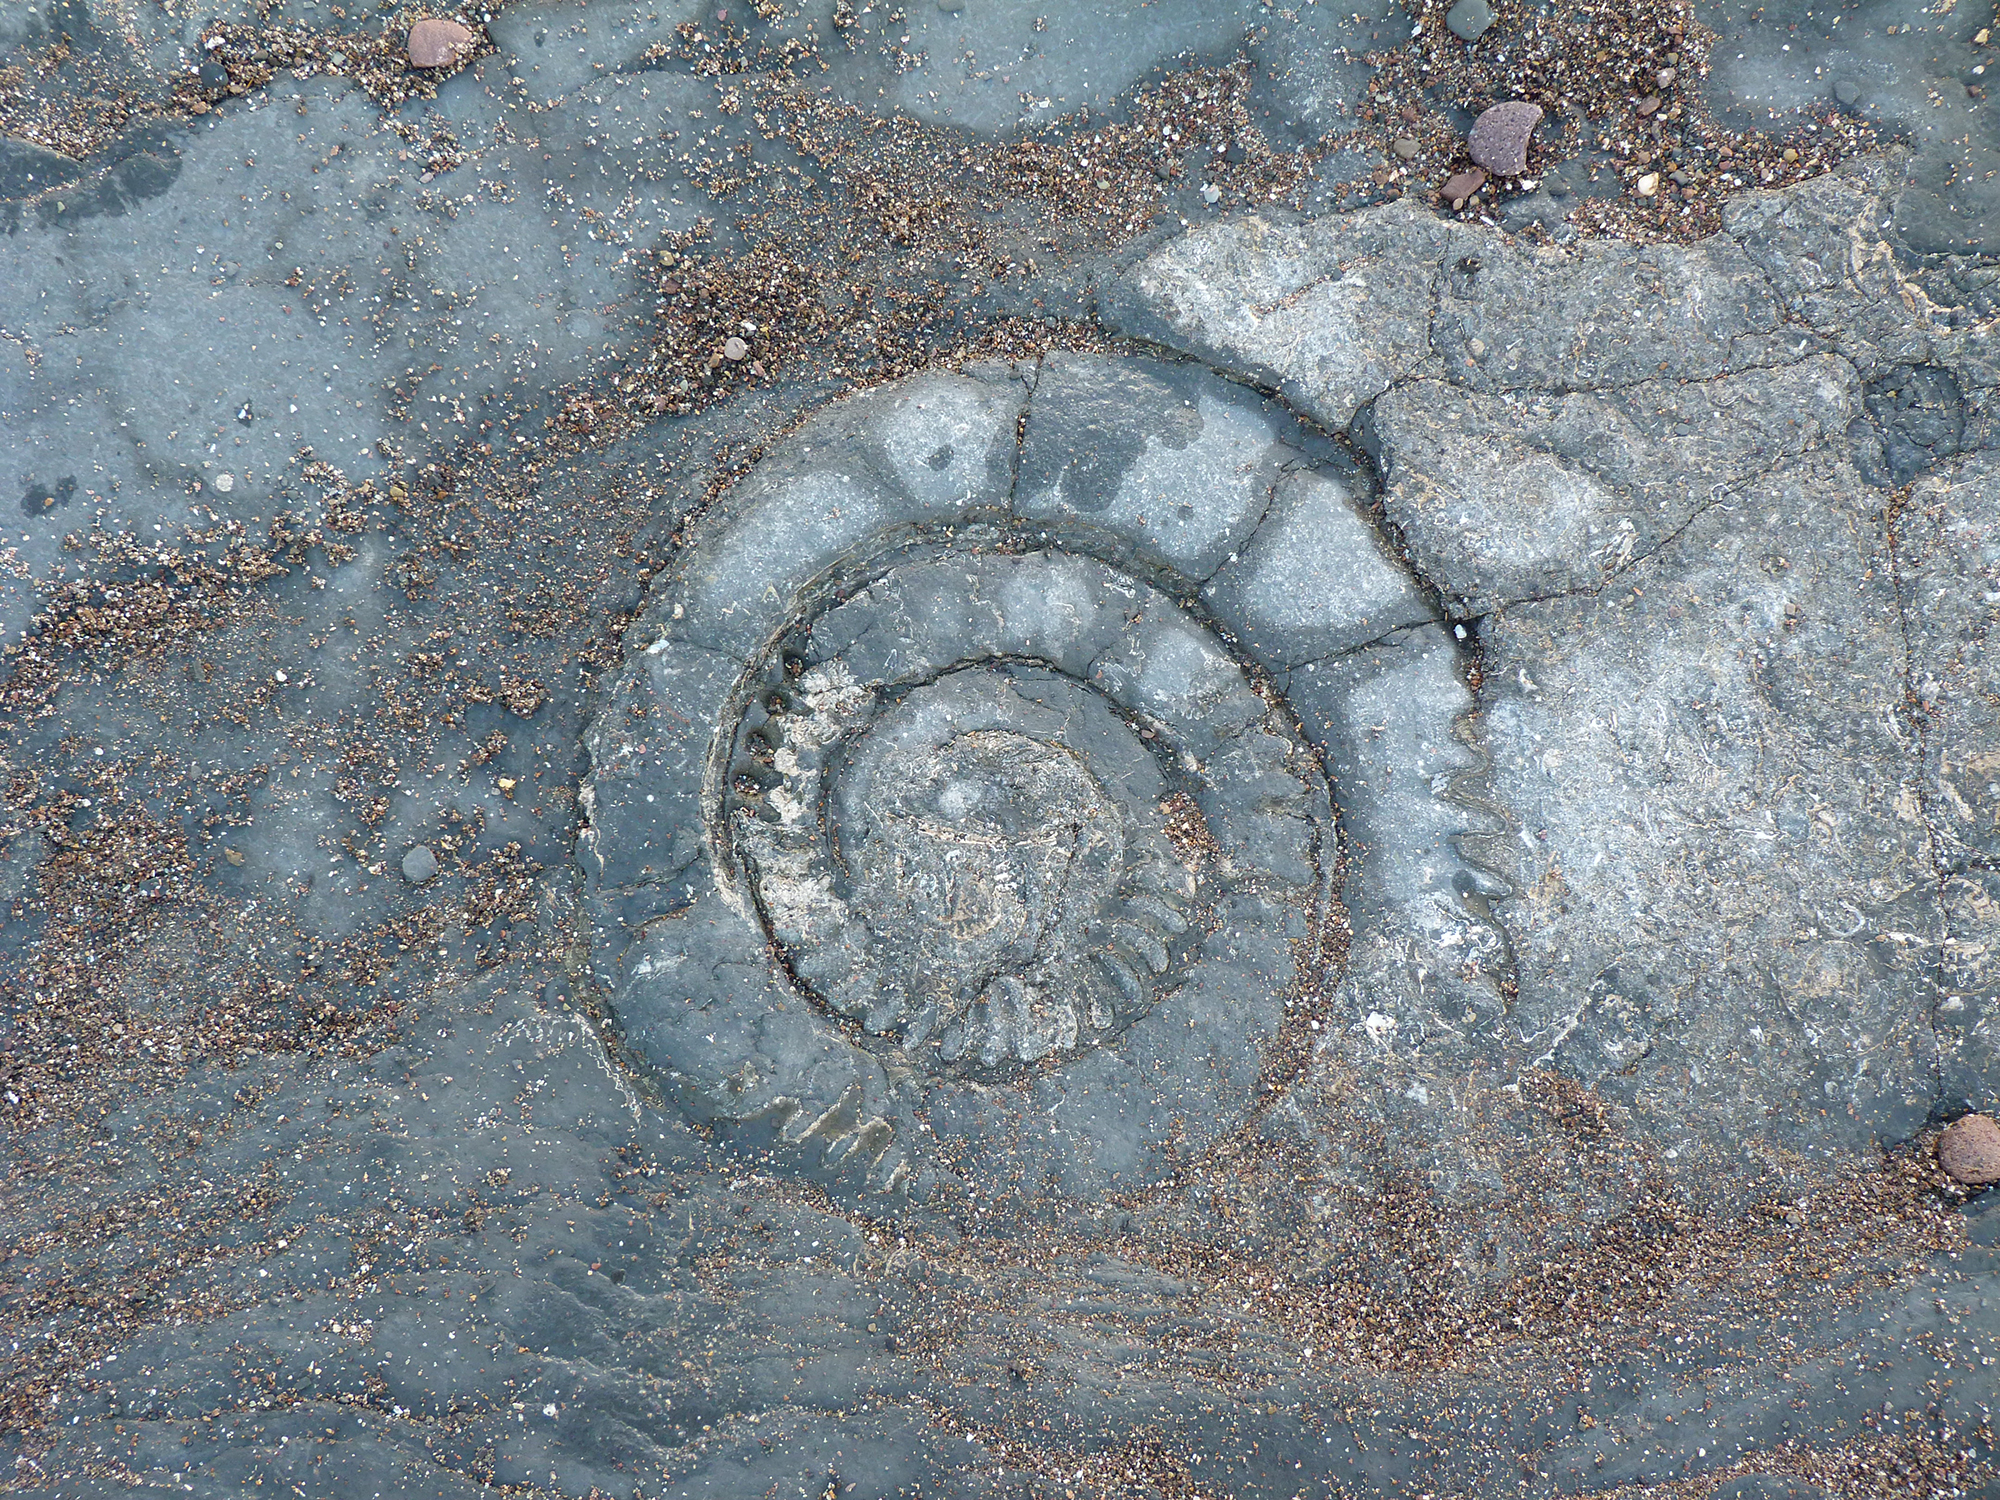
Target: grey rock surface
{"points": [[1948, 531], [1317, 579], [1521, 495], [1735, 707], [1560, 666], [1729, 759]]}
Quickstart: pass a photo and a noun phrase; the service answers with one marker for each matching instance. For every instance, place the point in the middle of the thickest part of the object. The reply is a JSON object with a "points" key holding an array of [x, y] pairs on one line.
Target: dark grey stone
{"points": [[1921, 412], [27, 169], [420, 865]]}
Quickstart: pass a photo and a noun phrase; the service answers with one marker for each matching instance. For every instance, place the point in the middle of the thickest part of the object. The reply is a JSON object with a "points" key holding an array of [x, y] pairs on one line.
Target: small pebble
{"points": [[1499, 138], [1666, 76], [1846, 93], [438, 44], [1469, 19], [224, 483], [1791, 153], [1404, 146], [1969, 1150], [735, 348], [420, 865], [1210, 193], [1649, 184], [1462, 185], [1648, 104]]}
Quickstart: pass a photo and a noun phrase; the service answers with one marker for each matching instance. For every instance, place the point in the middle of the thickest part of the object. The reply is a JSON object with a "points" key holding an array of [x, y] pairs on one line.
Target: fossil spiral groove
{"points": [[949, 824]]}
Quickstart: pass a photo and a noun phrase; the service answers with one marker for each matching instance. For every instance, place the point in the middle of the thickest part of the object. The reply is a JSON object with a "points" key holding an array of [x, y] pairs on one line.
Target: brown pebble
{"points": [[1969, 1150], [1648, 104], [438, 44], [1462, 185], [1499, 138], [1404, 146]]}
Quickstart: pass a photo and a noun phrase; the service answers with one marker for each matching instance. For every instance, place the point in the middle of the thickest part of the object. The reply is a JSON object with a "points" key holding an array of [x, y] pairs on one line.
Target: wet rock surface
{"points": [[1120, 835]]}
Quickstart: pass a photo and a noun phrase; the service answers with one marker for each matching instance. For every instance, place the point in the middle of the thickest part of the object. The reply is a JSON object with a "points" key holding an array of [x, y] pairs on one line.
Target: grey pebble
{"points": [[1846, 93], [420, 865], [1469, 19], [1404, 146]]}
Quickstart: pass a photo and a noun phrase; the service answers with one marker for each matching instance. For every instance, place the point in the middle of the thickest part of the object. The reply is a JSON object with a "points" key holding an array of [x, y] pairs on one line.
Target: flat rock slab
{"points": [[1520, 495], [1738, 722], [1721, 789], [1949, 528]]}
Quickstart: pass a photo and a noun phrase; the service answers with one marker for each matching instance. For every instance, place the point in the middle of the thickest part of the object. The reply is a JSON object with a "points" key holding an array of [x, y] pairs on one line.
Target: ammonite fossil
{"points": [[950, 823]]}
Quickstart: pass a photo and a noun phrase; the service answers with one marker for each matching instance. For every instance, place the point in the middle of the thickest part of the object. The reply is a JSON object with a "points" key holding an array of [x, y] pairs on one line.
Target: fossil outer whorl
{"points": [[948, 826]]}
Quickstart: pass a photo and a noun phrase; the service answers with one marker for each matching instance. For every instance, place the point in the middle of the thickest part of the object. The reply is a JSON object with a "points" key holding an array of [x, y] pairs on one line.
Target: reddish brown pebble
{"points": [[1648, 104], [1969, 1150], [438, 44], [1499, 139], [1462, 185]]}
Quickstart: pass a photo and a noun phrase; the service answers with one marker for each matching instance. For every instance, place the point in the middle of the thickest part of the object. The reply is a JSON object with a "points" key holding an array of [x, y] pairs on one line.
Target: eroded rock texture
{"points": [[1379, 893], [1720, 519]]}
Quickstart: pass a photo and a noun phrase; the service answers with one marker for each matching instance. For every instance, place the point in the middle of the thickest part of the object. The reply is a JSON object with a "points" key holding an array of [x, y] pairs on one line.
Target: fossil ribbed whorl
{"points": [[950, 824]]}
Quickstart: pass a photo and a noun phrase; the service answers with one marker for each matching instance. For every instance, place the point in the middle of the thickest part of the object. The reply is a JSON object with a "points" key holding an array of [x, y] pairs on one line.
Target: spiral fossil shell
{"points": [[949, 825]]}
